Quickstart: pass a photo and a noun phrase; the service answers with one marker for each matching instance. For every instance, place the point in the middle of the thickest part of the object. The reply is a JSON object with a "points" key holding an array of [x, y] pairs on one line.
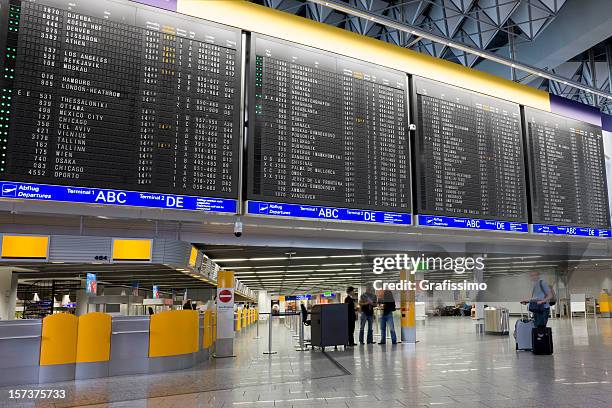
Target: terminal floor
{"points": [[451, 366]]}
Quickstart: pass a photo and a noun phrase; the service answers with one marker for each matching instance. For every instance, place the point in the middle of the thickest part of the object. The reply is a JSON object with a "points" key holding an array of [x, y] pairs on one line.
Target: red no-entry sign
{"points": [[225, 295]]}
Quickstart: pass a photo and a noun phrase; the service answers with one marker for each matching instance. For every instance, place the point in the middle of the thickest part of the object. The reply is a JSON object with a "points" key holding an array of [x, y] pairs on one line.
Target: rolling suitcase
{"points": [[542, 340], [523, 332]]}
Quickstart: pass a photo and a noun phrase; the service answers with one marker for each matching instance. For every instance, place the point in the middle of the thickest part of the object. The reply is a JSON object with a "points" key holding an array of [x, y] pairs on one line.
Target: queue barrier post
{"points": [[301, 348], [257, 329], [295, 326], [270, 336]]}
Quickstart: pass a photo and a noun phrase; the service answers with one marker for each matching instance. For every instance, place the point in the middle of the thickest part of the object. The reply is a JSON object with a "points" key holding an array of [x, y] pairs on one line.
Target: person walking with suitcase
{"points": [[541, 297]]}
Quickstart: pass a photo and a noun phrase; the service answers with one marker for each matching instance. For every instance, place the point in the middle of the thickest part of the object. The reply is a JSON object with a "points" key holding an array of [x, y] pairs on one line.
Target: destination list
{"points": [[328, 131], [148, 106], [567, 171], [470, 154]]}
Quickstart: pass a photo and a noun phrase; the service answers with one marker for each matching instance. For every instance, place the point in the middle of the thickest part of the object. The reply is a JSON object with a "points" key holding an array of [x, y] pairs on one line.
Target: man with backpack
{"points": [[541, 297]]}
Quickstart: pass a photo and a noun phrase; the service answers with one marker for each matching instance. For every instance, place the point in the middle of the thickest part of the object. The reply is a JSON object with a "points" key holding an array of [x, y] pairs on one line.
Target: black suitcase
{"points": [[541, 340]]}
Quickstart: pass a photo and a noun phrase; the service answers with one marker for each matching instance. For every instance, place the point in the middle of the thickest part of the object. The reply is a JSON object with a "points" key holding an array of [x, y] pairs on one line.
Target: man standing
{"points": [[352, 314], [388, 303], [541, 294], [366, 305]]}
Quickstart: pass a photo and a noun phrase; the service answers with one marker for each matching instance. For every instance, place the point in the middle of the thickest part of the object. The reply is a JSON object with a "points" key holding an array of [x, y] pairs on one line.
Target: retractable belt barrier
{"points": [[291, 316]]}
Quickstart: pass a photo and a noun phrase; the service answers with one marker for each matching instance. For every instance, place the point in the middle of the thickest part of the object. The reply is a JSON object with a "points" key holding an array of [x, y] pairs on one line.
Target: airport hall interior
{"points": [[305, 203]]}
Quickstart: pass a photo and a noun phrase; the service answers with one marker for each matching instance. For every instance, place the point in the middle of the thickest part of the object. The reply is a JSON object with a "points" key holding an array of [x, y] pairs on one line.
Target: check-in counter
{"points": [[20, 351], [64, 347], [129, 345]]}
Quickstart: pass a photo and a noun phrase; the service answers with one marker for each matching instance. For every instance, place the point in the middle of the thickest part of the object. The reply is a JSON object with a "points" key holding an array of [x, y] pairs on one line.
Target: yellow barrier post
{"points": [[207, 340], [407, 298], [604, 304], [245, 313], [238, 320]]}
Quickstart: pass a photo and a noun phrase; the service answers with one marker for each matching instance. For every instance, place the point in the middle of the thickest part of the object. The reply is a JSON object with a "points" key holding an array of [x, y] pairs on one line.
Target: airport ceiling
{"points": [[166, 277], [288, 270], [495, 26], [485, 24]]}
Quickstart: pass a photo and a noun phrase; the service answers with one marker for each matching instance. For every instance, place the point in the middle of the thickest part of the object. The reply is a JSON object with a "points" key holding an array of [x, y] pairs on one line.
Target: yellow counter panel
{"points": [[174, 333]]}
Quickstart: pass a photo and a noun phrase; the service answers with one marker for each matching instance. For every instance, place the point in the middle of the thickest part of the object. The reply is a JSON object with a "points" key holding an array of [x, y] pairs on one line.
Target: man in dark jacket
{"points": [[352, 314]]}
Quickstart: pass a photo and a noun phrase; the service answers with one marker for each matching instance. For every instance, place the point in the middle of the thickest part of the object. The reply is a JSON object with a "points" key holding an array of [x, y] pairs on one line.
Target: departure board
{"points": [[326, 130], [469, 154], [567, 171], [110, 94]]}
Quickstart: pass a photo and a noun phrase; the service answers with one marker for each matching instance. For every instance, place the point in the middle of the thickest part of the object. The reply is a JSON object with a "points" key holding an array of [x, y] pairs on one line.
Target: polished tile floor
{"points": [[451, 366]]}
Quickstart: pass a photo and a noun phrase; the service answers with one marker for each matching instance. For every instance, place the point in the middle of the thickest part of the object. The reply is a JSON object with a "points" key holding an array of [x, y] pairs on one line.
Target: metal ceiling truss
{"points": [[593, 68], [462, 31]]}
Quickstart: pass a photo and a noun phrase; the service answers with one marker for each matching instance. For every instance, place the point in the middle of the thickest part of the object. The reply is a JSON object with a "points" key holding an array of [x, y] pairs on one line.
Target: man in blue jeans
{"points": [[366, 305], [388, 303], [541, 294]]}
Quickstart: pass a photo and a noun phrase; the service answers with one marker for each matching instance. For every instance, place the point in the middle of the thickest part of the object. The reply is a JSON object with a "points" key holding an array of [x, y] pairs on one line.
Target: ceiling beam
{"points": [[499, 59]]}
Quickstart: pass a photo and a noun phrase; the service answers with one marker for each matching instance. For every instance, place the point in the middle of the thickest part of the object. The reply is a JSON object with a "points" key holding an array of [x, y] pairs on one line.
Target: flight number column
{"points": [[34, 92]]}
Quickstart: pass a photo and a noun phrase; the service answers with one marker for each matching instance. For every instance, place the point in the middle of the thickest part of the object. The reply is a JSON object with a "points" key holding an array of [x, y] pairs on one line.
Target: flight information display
{"points": [[567, 172], [326, 131], [113, 95], [469, 158]]}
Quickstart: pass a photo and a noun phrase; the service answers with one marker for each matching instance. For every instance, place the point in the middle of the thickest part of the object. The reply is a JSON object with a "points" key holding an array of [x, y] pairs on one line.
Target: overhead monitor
{"points": [[568, 191], [328, 136], [110, 102], [470, 170]]}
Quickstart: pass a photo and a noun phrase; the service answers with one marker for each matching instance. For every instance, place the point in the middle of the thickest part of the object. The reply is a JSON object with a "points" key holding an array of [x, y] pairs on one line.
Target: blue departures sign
{"points": [[326, 213], [298, 297], [471, 223], [573, 231], [85, 195]]}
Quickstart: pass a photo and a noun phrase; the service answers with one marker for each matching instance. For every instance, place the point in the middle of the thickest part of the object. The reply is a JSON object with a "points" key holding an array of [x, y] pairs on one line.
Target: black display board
{"points": [[567, 171], [469, 154], [326, 130], [110, 94]]}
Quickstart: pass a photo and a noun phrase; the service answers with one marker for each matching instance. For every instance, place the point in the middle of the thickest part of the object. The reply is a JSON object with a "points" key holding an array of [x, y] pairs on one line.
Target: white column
{"points": [[263, 304], [8, 293]]}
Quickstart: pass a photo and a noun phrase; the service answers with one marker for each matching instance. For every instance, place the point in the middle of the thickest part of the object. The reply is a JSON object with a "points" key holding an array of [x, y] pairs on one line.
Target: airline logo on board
{"points": [[9, 190], [263, 208]]}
